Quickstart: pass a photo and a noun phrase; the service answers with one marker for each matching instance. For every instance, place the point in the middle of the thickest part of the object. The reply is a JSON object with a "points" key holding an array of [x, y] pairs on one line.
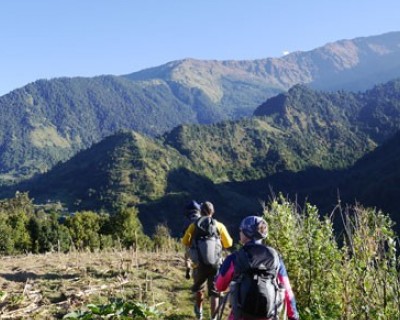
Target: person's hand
{"points": [[187, 273]]}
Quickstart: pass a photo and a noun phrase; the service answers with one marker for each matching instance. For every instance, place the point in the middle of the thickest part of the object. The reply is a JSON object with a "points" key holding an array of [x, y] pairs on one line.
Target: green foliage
{"points": [[85, 228], [117, 309], [371, 254], [6, 238], [358, 279], [14, 217], [39, 229], [163, 240], [47, 234], [28, 228], [128, 229]]}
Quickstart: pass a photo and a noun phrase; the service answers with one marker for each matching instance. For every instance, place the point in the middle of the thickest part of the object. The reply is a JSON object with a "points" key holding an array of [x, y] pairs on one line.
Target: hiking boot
{"points": [[198, 312]]}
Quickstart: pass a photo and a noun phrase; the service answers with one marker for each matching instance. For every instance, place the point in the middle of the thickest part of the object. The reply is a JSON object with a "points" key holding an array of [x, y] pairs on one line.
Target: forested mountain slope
{"points": [[297, 146], [50, 120], [375, 112], [375, 179]]}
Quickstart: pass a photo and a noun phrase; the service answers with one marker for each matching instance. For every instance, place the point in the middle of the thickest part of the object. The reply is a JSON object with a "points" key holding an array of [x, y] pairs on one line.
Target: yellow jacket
{"points": [[226, 239]]}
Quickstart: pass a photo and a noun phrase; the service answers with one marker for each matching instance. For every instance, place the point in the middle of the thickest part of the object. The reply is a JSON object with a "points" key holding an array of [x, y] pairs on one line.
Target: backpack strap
{"points": [[200, 232], [215, 222], [241, 262], [279, 297]]}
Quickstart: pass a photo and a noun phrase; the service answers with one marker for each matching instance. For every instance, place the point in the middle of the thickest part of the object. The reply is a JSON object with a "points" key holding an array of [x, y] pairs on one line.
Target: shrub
{"points": [[84, 229], [163, 241], [354, 280]]}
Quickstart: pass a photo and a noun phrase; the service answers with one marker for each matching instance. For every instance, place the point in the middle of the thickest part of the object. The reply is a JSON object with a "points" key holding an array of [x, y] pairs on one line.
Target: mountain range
{"points": [[49, 121], [302, 142]]}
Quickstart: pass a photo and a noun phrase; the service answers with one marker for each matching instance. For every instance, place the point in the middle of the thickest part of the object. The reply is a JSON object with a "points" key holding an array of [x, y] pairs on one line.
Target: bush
{"points": [[354, 280], [128, 229], [163, 241], [84, 229]]}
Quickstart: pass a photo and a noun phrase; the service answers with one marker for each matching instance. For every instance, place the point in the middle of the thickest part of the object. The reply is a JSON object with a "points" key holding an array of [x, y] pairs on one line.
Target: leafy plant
{"points": [[352, 276], [116, 309]]}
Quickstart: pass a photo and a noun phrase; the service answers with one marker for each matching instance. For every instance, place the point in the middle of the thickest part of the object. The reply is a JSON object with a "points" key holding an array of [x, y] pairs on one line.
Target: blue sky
{"points": [[44, 39]]}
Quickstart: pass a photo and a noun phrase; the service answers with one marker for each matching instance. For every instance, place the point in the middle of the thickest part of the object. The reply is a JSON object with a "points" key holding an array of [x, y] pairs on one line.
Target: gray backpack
{"points": [[255, 291], [206, 246]]}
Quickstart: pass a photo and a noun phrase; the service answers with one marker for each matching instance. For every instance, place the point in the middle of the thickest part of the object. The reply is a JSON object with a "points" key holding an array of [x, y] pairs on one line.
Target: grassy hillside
{"points": [[356, 64]]}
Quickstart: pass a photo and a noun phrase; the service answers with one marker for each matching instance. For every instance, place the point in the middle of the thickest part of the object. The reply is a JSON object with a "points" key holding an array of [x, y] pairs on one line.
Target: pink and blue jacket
{"points": [[227, 271]]}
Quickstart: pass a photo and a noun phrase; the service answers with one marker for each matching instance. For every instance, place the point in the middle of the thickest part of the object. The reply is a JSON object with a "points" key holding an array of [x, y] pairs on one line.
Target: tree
{"points": [[128, 228], [162, 239], [84, 228], [6, 237], [17, 212]]}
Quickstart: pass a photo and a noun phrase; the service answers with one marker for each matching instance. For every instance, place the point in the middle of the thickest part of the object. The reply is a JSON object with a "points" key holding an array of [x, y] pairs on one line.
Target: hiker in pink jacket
{"points": [[263, 263]]}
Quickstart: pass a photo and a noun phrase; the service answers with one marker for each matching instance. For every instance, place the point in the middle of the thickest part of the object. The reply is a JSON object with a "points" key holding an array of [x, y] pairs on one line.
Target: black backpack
{"points": [[255, 291], [206, 246]]}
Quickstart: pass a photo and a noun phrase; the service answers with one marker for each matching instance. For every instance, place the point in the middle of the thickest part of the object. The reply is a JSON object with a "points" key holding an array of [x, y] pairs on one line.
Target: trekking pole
{"points": [[220, 310]]}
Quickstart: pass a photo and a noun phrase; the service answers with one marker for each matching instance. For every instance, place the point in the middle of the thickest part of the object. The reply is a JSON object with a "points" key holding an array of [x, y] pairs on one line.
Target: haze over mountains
{"points": [[219, 130]]}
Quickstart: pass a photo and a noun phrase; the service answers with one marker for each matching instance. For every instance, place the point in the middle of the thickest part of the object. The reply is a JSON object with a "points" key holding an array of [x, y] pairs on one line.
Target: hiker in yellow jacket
{"points": [[207, 264]]}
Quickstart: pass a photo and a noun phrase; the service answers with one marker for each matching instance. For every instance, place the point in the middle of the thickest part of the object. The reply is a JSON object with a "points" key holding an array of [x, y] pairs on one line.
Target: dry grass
{"points": [[49, 286]]}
